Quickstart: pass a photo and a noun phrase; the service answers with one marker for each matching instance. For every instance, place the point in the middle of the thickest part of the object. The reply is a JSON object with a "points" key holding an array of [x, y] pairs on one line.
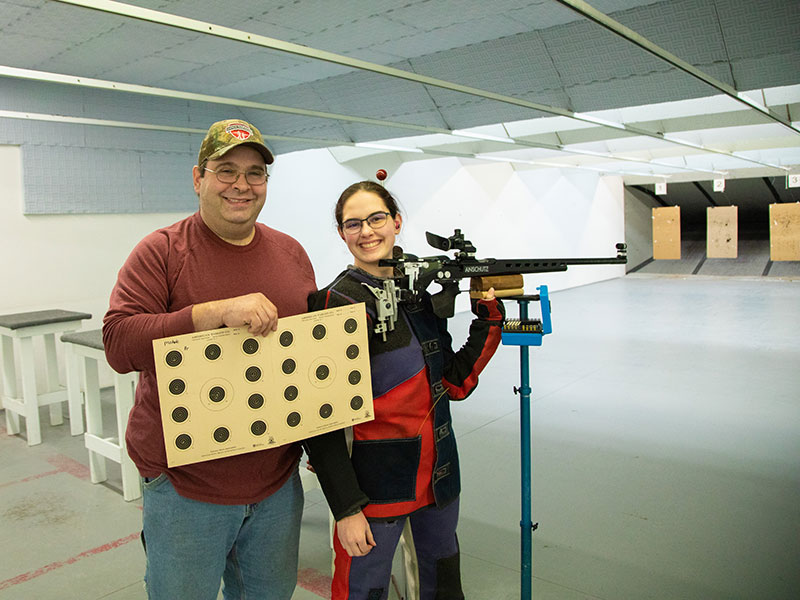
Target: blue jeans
{"points": [[192, 546]]}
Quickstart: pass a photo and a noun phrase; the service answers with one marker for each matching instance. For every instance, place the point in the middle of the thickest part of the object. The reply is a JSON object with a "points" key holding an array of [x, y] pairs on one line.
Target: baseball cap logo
{"points": [[239, 130]]}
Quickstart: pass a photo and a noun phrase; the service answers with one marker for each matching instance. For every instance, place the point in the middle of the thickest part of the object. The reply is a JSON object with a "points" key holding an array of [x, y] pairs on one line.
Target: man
{"points": [[235, 519]]}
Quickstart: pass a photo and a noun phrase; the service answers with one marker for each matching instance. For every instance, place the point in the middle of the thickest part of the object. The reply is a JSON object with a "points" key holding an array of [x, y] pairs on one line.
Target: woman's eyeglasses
{"points": [[376, 220]]}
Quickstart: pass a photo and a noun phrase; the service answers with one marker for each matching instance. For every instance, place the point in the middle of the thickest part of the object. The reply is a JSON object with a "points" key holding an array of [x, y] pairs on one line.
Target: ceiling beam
{"points": [[30, 116], [619, 29], [651, 193], [772, 189], [705, 193], [118, 86]]}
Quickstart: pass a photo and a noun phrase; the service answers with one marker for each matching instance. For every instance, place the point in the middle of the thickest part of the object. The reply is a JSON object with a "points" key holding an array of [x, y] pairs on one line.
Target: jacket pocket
{"points": [[387, 469]]}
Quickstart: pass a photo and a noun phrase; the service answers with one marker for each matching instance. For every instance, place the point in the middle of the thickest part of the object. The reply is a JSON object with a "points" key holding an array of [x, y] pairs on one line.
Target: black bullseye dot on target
{"points": [[325, 411], [286, 338], [183, 441], [177, 386], [290, 393], [318, 332], [252, 374], [322, 372], [250, 346], [258, 428], [255, 401], [216, 394], [293, 420], [352, 351], [180, 414], [174, 358], [356, 402], [213, 352], [221, 434], [288, 366], [354, 377], [350, 325]]}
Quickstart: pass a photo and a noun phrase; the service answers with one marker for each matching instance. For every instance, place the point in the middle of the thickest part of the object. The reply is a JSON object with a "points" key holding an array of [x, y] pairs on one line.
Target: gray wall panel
{"points": [[167, 182], [61, 180]]}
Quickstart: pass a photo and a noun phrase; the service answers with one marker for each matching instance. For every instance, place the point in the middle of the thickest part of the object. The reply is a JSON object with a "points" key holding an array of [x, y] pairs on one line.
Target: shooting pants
{"points": [[434, 532]]}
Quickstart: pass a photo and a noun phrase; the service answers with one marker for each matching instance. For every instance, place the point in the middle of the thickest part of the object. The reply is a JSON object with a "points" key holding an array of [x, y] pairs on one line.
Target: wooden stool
{"points": [[84, 352], [23, 327]]}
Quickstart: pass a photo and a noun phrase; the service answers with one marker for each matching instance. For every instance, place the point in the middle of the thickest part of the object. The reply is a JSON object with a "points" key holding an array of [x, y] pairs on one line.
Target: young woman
{"points": [[404, 464]]}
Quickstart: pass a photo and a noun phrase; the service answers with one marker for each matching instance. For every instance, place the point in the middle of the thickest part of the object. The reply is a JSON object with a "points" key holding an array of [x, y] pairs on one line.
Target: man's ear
{"points": [[341, 233], [196, 178]]}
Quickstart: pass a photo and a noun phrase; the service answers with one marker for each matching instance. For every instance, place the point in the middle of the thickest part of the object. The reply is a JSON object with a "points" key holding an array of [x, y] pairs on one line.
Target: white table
{"points": [[84, 353], [18, 332]]}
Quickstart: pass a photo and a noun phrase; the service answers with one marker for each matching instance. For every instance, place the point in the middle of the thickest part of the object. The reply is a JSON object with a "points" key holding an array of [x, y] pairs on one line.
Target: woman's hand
{"points": [[355, 535]]}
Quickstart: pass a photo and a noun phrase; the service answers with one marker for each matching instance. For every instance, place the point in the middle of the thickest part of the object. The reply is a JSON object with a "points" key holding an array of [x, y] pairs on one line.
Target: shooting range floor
{"points": [[666, 461]]}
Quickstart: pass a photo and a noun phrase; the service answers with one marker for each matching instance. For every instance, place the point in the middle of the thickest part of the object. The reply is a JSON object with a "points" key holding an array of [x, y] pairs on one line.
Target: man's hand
{"points": [[254, 310], [355, 535]]}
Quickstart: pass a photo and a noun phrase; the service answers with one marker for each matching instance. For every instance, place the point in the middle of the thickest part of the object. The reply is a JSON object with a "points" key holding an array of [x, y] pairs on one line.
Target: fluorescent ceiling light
{"points": [[598, 120], [753, 103], [387, 147], [685, 167], [637, 173], [744, 157], [589, 153], [676, 140], [503, 159], [483, 136]]}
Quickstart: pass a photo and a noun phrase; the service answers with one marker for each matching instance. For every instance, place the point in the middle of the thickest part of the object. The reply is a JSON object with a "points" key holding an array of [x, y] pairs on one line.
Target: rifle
{"points": [[414, 275]]}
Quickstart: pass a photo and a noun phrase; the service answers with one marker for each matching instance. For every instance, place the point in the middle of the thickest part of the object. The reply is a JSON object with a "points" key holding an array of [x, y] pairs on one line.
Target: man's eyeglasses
{"points": [[376, 220], [228, 175]]}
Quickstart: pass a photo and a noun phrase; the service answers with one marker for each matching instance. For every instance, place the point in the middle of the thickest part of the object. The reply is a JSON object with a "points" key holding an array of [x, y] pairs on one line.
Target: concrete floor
{"points": [[666, 451]]}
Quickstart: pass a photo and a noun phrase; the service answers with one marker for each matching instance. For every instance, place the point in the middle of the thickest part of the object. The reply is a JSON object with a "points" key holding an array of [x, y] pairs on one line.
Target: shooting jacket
{"points": [[406, 458]]}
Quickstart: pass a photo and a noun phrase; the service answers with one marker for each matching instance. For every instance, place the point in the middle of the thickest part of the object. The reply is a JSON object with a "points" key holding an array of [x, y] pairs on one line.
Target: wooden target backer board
{"points": [[667, 233], [722, 232], [784, 231], [225, 392]]}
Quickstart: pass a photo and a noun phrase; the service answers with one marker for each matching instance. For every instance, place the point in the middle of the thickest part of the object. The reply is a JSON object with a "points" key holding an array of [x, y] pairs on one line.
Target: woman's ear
{"points": [[341, 233], [398, 222]]}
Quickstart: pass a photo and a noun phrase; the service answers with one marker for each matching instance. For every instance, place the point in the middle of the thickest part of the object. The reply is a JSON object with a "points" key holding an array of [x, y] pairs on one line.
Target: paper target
{"points": [[225, 392]]}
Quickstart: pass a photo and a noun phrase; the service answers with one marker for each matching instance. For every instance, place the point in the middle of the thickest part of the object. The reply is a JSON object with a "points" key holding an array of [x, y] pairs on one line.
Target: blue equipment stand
{"points": [[524, 333]]}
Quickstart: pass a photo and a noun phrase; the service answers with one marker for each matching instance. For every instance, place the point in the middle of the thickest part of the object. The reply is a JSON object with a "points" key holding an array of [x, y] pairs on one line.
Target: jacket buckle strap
{"points": [[441, 472], [430, 347], [442, 432]]}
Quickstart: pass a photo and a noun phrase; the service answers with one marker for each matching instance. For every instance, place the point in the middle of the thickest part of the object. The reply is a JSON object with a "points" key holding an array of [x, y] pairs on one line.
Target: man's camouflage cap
{"points": [[224, 135]]}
